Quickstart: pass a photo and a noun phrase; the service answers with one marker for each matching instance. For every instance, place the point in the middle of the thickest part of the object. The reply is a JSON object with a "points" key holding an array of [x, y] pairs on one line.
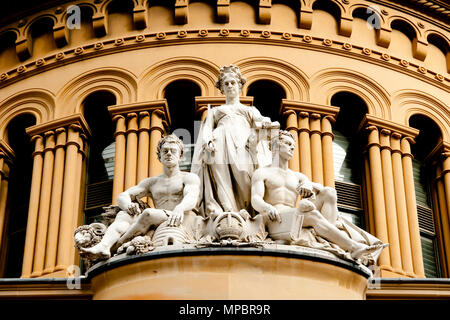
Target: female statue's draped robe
{"points": [[240, 149]]}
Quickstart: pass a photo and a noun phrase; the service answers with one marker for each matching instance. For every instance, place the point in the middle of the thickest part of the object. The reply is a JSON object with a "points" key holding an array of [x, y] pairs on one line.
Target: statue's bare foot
{"points": [[366, 250], [96, 253]]}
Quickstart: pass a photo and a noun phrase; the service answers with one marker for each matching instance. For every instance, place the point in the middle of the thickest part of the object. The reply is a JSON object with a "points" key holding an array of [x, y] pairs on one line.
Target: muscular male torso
{"points": [[166, 192], [280, 187]]}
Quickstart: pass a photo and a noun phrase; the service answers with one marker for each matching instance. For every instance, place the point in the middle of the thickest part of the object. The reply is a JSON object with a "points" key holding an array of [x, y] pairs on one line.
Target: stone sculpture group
{"points": [[240, 192]]}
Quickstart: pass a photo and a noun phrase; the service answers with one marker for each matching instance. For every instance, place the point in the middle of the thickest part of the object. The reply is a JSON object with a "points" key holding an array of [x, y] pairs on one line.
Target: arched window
{"points": [[100, 162], [13, 241], [347, 154], [267, 98], [180, 96], [428, 138]]}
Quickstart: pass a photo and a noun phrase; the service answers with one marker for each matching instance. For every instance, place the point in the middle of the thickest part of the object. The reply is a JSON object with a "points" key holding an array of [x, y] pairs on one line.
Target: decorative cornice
{"points": [[150, 40]]}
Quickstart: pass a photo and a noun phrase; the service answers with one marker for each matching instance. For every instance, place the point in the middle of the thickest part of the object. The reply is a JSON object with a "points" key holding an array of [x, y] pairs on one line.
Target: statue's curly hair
{"points": [[233, 71], [276, 139], [170, 138]]}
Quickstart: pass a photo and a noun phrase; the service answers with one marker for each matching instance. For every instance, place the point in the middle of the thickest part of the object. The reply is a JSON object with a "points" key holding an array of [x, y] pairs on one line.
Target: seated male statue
{"points": [[174, 194], [275, 190]]}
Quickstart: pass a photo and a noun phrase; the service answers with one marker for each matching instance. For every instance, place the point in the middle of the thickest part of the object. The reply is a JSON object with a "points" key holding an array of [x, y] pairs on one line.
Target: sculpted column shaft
{"points": [[378, 195], [33, 207], [55, 204], [44, 205], [131, 155], [80, 182], [291, 126], [316, 148], [156, 132], [327, 151], [4, 176], [400, 201], [410, 197], [446, 214], [304, 145], [389, 197], [445, 222], [119, 163], [144, 141], [68, 205], [368, 193]]}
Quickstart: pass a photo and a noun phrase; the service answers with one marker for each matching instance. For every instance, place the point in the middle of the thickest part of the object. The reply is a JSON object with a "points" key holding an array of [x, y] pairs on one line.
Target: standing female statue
{"points": [[228, 149]]}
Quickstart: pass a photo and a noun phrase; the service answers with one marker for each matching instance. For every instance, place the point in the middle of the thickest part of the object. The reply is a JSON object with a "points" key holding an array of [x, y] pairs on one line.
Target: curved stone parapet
{"points": [[184, 272]]}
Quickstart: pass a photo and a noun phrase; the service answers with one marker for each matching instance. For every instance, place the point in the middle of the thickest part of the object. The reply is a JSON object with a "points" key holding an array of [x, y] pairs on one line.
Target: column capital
{"points": [[6, 152], [77, 120], [137, 107], [310, 108], [387, 127]]}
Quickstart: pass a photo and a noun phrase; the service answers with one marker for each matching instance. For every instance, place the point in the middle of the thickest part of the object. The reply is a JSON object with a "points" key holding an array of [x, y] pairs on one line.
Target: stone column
{"points": [[389, 201], [139, 126], [33, 208], [55, 204], [156, 133], [327, 150], [131, 153], [315, 138], [400, 201], [119, 159], [393, 197], [55, 196], [144, 141], [444, 220], [291, 126], [445, 214], [410, 197], [6, 159], [304, 144], [377, 188], [316, 148], [44, 205], [70, 203]]}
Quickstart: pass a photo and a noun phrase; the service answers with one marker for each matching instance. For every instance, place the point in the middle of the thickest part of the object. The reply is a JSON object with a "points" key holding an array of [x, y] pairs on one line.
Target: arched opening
{"points": [[284, 11], [267, 98], [403, 35], [180, 96], [347, 155], [41, 33], [366, 22], [85, 31], [438, 50], [100, 161], [326, 17], [8, 55], [428, 138], [160, 14], [120, 17], [13, 241]]}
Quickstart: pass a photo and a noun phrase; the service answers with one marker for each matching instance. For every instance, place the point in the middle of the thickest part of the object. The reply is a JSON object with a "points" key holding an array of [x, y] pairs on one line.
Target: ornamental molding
{"points": [[297, 40]]}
